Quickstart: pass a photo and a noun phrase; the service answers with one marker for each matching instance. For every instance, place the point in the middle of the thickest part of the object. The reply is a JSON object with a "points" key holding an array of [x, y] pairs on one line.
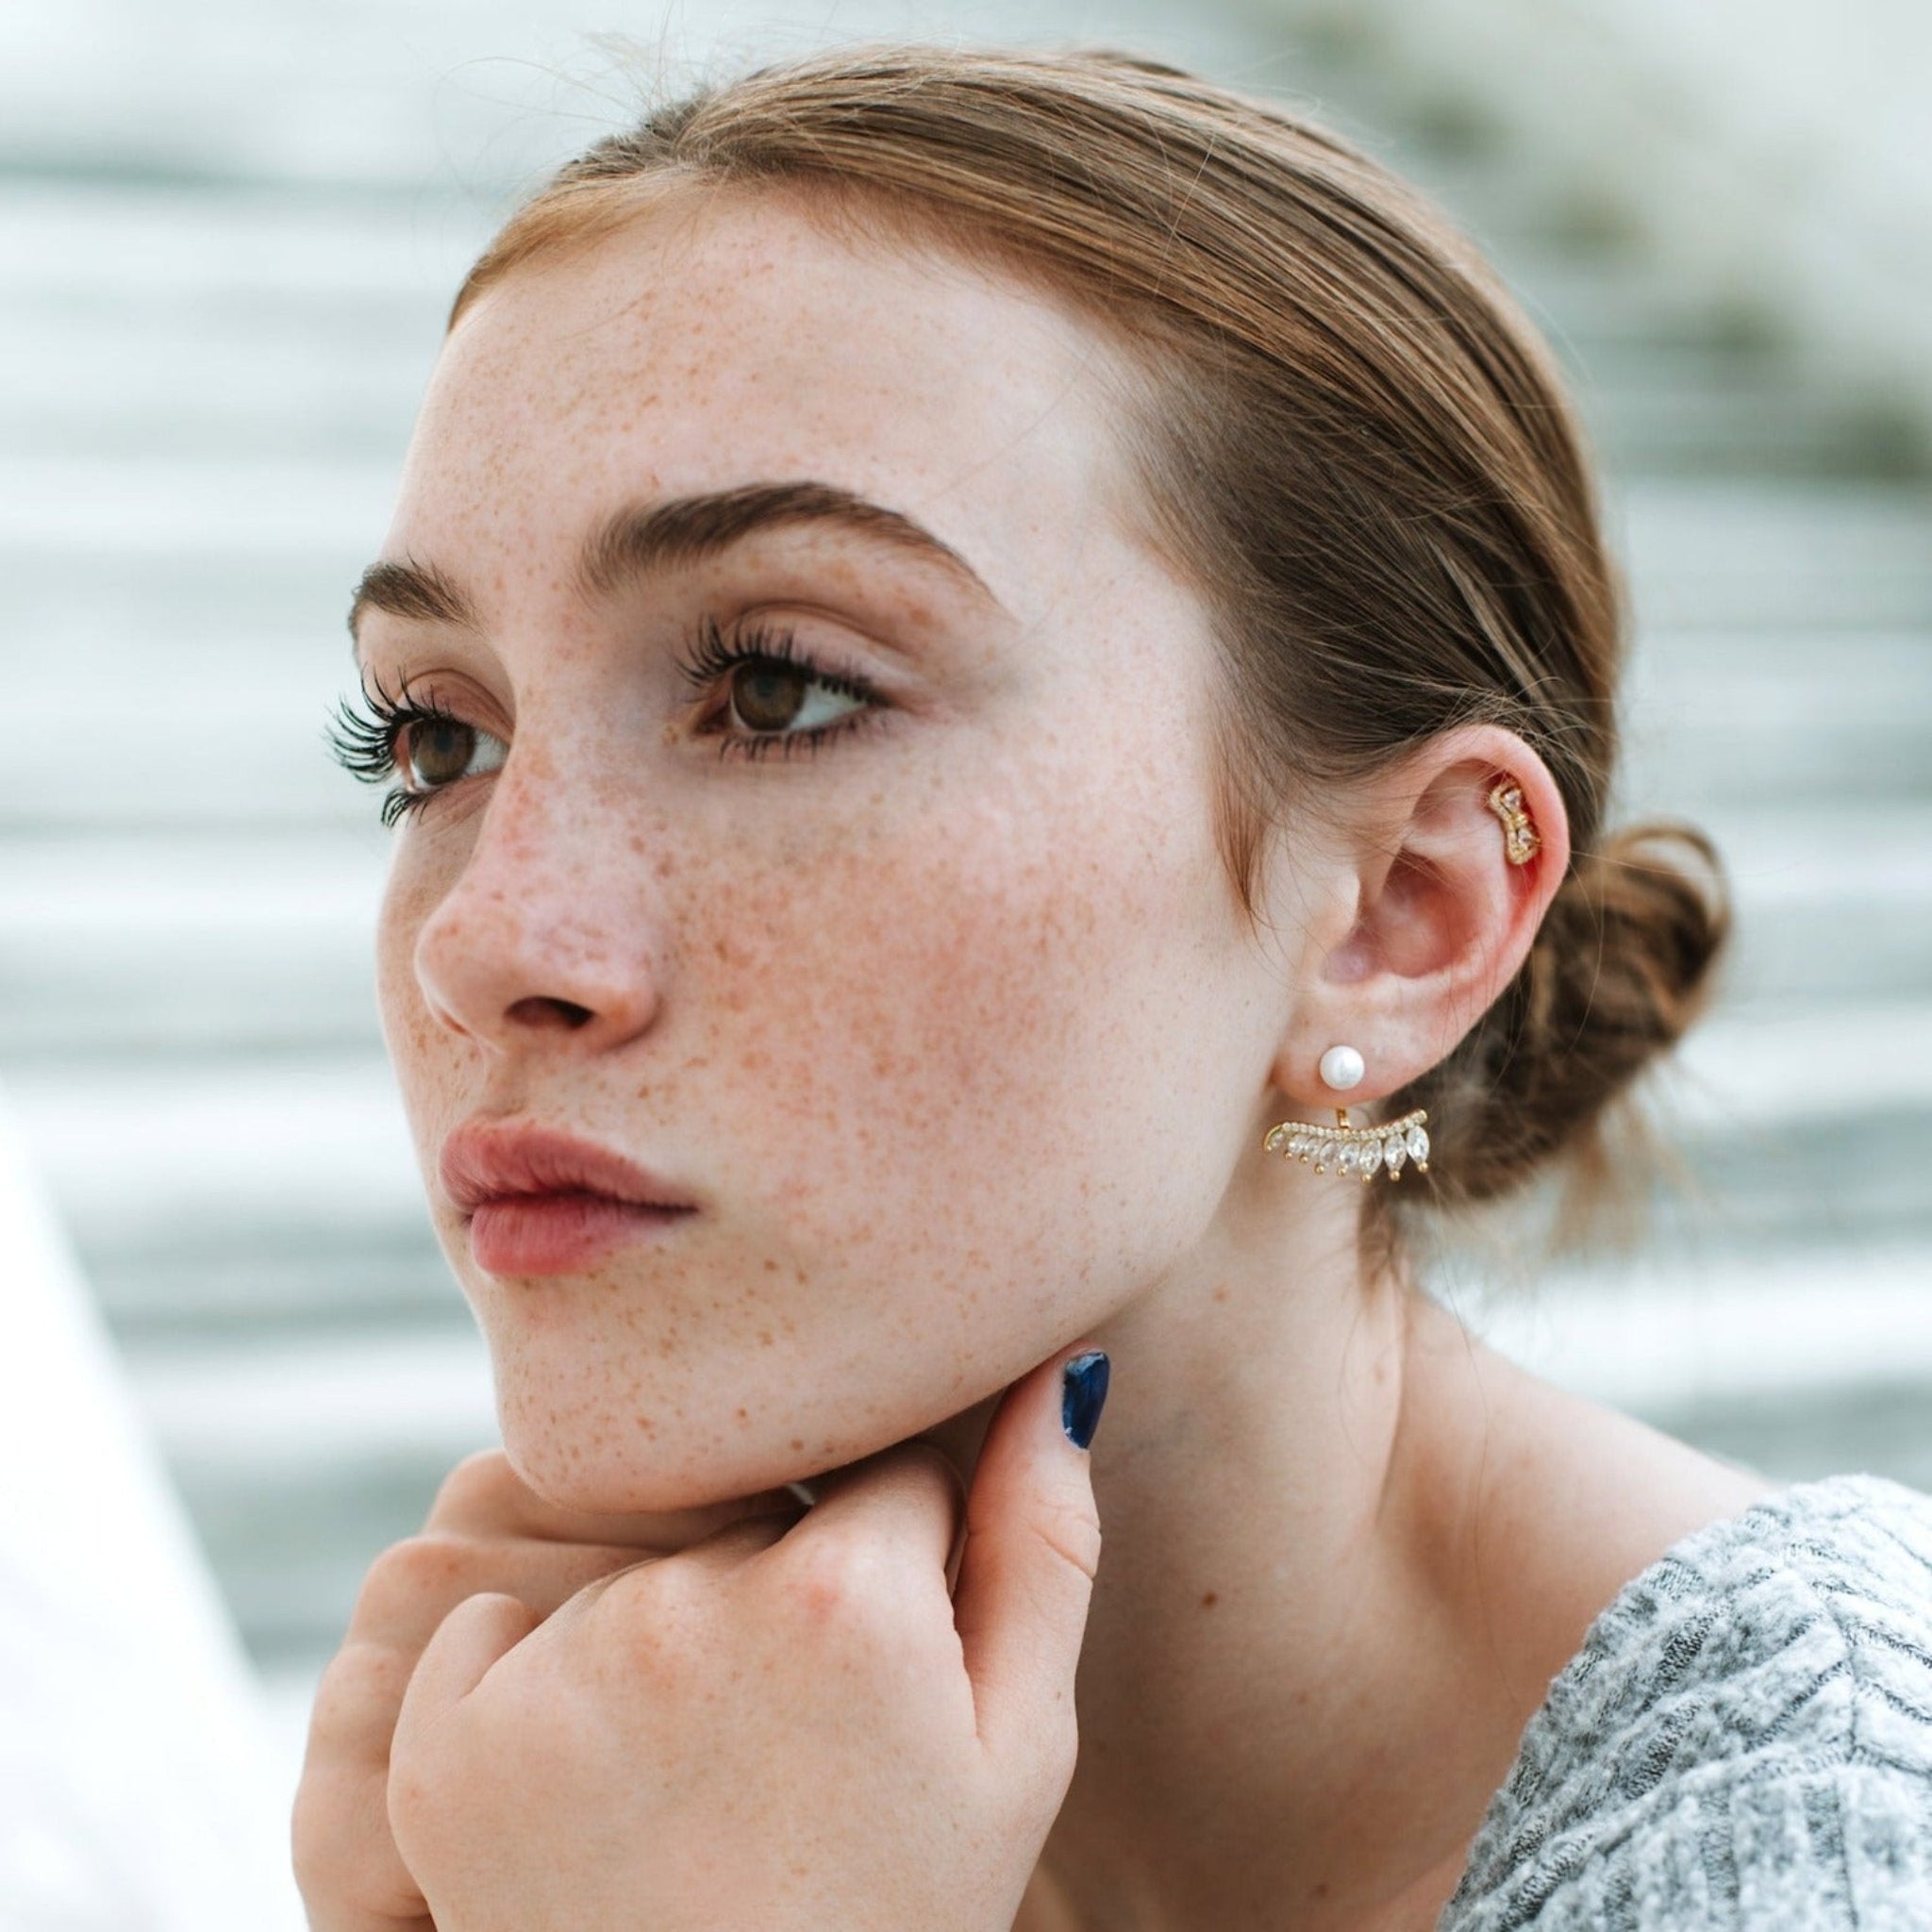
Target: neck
{"points": [[1273, 1691]]}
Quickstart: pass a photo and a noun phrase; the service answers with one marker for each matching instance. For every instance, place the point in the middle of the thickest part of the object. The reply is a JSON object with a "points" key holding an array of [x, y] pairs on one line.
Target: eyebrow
{"points": [[643, 538]]}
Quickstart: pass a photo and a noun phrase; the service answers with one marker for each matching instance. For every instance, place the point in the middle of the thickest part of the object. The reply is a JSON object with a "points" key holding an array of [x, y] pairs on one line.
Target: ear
{"points": [[1442, 920]]}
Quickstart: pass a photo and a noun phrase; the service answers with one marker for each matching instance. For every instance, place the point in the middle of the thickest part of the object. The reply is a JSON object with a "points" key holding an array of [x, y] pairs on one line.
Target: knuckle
{"points": [[478, 1490], [843, 1587], [1073, 1534], [421, 1569], [357, 1696]]}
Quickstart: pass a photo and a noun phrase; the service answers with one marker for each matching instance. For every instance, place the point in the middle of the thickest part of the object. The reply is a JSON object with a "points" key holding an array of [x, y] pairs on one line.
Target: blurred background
{"points": [[229, 231]]}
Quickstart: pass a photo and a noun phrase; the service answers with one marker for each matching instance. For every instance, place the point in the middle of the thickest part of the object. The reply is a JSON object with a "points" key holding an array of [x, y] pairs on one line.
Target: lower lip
{"points": [[553, 1234]]}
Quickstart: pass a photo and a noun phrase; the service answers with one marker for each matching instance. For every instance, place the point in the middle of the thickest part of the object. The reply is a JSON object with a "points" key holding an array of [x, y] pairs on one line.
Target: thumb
{"points": [[1032, 1549], [480, 1632]]}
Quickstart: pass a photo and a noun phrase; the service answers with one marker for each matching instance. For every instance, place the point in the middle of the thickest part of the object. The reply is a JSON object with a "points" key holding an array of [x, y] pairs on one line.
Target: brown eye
{"points": [[776, 698], [435, 751], [767, 695]]}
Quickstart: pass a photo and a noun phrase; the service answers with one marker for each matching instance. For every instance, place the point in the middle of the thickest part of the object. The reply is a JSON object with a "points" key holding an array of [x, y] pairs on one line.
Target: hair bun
{"points": [[1623, 966]]}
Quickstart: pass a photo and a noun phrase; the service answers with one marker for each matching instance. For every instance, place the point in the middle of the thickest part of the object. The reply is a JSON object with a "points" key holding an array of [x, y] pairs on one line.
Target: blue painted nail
{"points": [[1083, 1394]]}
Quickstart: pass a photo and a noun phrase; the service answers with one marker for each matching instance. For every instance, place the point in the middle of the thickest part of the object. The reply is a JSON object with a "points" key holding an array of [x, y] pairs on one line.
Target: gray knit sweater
{"points": [[1744, 1741]]}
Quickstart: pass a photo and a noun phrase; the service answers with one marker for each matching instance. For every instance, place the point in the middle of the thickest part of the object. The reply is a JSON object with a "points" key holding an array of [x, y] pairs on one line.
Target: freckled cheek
{"points": [[901, 1030]]}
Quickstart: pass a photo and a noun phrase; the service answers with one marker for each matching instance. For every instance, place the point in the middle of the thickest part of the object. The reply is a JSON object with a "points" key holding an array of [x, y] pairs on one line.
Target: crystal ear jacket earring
{"points": [[1364, 1151], [1521, 839]]}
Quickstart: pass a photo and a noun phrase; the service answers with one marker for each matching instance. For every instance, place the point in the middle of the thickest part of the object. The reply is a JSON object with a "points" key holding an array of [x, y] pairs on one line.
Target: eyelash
{"points": [[363, 738], [711, 657]]}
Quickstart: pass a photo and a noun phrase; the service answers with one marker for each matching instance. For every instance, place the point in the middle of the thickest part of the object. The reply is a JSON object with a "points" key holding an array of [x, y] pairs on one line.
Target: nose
{"points": [[542, 932]]}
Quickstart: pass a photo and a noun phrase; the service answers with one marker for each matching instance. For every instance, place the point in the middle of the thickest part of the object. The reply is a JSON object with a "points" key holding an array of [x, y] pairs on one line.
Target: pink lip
{"points": [[540, 1202]]}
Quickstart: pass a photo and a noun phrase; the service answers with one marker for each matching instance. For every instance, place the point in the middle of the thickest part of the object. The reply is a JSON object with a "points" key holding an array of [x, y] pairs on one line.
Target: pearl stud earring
{"points": [[1342, 1068], [1364, 1151]]}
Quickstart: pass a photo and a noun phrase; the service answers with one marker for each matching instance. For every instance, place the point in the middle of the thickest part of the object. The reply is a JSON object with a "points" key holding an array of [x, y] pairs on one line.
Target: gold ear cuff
{"points": [[1363, 1152], [1356, 1152], [1521, 839]]}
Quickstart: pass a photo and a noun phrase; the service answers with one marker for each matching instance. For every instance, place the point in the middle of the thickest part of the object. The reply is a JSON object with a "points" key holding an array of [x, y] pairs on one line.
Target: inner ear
{"points": [[1425, 911], [1420, 923]]}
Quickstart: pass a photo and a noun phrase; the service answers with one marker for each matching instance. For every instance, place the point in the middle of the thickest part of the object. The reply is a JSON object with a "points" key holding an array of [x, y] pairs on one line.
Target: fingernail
{"points": [[1083, 1394]]}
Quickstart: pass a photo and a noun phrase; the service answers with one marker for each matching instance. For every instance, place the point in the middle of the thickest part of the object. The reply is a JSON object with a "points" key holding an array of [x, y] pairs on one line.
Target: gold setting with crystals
{"points": [[1521, 839], [1364, 1151]]}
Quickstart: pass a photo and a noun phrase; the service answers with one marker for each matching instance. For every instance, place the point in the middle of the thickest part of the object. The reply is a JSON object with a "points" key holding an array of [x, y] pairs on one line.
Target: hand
{"points": [[788, 1729], [487, 1531]]}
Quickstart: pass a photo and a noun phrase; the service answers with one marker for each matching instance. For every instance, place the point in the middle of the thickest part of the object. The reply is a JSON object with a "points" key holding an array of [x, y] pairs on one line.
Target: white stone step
{"points": [[145, 249], [156, 1157], [304, 1457], [124, 661], [1660, 1334], [1745, 552], [202, 387], [230, 942], [228, 510], [275, 365], [159, 1158], [1849, 711], [1841, 1338]]}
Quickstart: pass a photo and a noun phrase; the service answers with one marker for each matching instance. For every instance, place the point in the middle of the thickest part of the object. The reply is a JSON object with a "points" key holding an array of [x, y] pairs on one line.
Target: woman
{"points": [[985, 662]]}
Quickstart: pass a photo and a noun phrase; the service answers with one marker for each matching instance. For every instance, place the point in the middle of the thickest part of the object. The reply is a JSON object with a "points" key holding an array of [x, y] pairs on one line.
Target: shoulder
{"points": [[1744, 1739]]}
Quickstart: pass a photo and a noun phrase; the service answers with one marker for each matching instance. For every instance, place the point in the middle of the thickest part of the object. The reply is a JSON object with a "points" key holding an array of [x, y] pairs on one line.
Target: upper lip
{"points": [[486, 1160]]}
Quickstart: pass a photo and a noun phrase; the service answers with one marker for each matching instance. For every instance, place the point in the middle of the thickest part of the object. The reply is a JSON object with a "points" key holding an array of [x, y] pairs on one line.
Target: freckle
{"points": [[744, 1415], [797, 1442], [1221, 1295], [1322, 1888], [1212, 1598], [646, 1425], [765, 1338]]}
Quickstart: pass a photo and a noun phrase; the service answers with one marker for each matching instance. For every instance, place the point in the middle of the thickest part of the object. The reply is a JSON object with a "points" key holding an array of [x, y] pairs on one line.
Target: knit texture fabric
{"points": [[1743, 1742]]}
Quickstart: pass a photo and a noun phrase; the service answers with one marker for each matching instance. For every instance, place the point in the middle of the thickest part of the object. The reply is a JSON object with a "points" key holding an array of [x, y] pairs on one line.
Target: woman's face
{"points": [[947, 1021]]}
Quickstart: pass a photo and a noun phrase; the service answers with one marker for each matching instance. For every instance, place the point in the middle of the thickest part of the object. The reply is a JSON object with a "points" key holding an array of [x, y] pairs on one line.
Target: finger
{"points": [[1032, 1549], [724, 1550], [413, 1585], [478, 1634], [483, 1495], [345, 1863], [344, 1860]]}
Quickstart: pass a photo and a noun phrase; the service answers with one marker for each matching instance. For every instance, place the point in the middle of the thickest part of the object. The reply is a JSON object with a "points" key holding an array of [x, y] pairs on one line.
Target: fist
{"points": [[487, 1534], [791, 1726]]}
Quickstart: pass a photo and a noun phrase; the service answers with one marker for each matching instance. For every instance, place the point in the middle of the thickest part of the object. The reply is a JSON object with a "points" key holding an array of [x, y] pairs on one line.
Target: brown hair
{"points": [[1353, 442]]}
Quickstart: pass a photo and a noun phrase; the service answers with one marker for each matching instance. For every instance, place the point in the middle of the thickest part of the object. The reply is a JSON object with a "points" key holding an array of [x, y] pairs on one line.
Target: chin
{"points": [[607, 1460], [585, 1472]]}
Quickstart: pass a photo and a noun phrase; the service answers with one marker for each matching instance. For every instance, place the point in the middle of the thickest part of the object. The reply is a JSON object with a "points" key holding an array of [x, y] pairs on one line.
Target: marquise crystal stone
{"points": [[1354, 1151]]}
